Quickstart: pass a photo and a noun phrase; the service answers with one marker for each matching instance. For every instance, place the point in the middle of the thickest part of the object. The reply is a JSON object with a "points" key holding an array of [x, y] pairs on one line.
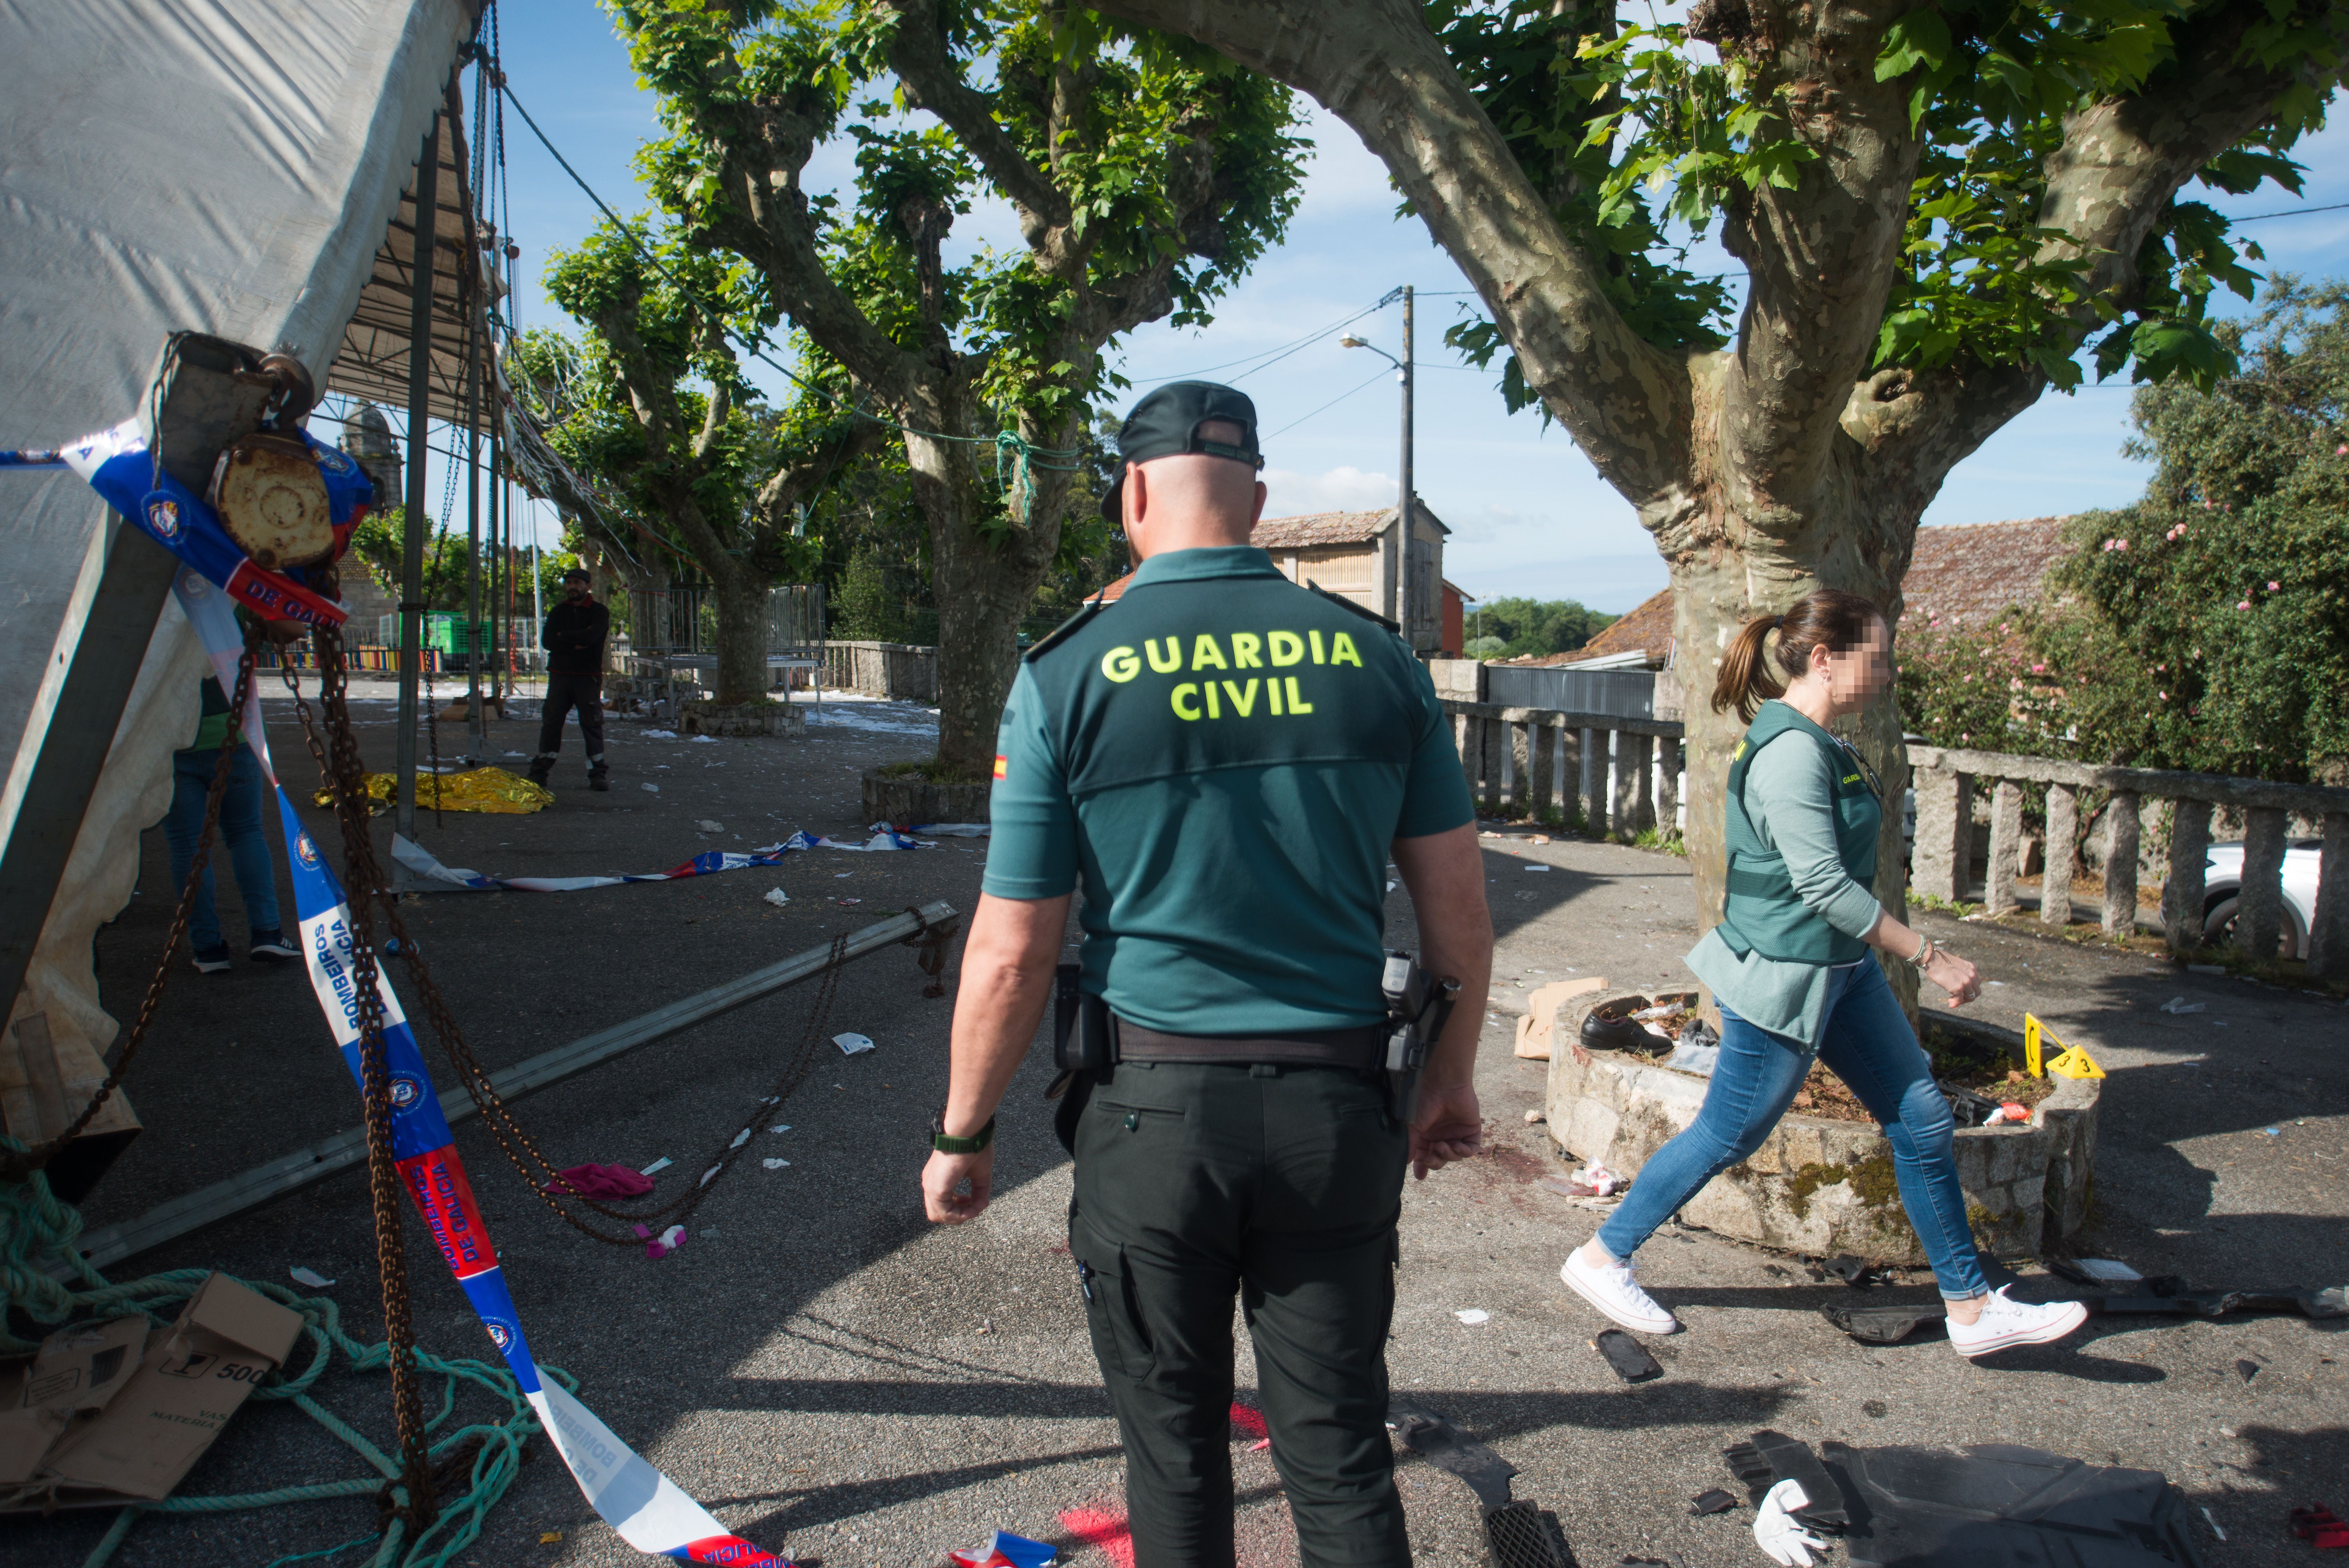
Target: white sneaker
{"points": [[2004, 1323], [1612, 1290]]}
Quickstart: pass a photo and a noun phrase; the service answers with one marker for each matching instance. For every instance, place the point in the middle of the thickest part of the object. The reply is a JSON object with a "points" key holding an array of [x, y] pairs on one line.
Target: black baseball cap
{"points": [[577, 574], [1167, 420]]}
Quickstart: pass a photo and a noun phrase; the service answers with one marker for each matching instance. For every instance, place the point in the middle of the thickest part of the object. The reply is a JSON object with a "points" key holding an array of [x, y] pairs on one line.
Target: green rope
{"points": [[43, 1276]]}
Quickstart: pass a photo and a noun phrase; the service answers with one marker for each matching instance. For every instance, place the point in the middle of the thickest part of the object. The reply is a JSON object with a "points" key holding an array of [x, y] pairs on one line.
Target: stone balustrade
{"points": [[1526, 761], [1945, 779], [1625, 773]]}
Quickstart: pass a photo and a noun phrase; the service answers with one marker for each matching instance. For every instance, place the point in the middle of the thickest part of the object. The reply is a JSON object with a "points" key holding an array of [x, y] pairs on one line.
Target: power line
{"points": [[1280, 351], [2293, 213], [1375, 376]]}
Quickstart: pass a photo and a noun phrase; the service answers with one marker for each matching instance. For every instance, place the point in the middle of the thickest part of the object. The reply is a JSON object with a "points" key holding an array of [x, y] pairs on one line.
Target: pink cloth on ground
{"points": [[602, 1183]]}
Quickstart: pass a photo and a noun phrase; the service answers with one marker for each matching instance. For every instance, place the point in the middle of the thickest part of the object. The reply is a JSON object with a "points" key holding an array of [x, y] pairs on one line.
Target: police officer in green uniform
{"points": [[1225, 762]]}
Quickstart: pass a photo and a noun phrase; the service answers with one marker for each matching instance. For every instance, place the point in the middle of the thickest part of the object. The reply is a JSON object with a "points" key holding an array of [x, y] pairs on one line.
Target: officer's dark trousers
{"points": [[1282, 1183], [566, 690]]}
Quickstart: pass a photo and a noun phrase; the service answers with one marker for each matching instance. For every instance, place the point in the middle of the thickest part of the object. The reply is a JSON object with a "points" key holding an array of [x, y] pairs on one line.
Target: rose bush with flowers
{"points": [[2208, 626]]}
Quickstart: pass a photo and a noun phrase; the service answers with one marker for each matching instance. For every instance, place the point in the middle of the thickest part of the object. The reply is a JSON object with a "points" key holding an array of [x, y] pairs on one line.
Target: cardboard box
{"points": [[148, 1430], [73, 1376], [1535, 1029]]}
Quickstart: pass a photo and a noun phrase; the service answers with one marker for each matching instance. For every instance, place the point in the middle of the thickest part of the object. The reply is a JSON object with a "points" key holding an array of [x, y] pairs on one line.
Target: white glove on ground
{"points": [[1777, 1534]]}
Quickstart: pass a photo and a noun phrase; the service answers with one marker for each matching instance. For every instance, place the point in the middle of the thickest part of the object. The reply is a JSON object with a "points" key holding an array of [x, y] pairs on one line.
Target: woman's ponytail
{"points": [[1745, 683], [1824, 618]]}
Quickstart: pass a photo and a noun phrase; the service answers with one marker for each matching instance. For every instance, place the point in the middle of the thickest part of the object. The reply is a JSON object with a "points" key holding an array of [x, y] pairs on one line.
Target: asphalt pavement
{"points": [[836, 1380]]}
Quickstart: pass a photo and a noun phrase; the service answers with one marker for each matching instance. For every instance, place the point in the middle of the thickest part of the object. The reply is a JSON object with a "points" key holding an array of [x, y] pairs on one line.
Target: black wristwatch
{"points": [[971, 1145]]}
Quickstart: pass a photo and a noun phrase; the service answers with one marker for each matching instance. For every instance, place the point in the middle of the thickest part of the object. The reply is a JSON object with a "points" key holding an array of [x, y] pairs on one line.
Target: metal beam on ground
{"points": [[111, 1243]]}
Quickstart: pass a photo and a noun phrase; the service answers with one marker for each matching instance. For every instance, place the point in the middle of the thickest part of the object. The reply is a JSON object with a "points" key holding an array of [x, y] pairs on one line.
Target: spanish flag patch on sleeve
{"points": [[1000, 762]]}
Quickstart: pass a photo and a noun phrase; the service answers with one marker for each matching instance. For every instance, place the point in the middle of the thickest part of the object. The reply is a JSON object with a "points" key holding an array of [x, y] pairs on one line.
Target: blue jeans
{"points": [[1865, 1040], [240, 822]]}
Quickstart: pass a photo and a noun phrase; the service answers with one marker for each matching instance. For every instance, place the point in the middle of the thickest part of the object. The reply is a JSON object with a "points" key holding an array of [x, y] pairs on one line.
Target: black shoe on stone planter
{"points": [[1603, 1033]]}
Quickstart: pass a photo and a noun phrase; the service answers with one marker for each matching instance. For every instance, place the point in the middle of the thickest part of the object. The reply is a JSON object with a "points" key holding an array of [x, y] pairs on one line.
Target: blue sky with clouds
{"points": [[1528, 515]]}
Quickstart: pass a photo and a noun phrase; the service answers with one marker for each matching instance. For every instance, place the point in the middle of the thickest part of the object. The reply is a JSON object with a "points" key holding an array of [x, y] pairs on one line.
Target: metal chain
{"points": [[362, 877], [521, 1149], [17, 1166]]}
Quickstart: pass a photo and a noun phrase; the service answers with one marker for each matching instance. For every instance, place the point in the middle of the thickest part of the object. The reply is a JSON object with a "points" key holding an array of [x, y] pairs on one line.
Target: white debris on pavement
{"points": [[705, 826], [852, 1044], [2179, 1004], [776, 896], [1472, 1316], [310, 1277]]}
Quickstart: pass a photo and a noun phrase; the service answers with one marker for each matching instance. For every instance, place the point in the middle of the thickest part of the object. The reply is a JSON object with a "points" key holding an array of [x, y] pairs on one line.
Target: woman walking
{"points": [[1790, 967]]}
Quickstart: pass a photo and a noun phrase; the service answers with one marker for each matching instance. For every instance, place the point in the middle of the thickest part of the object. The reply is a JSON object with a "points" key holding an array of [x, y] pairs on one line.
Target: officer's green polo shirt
{"points": [[1224, 758]]}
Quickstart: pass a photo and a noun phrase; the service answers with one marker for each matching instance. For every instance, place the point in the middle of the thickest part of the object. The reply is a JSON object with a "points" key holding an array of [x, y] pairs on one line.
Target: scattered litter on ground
{"points": [[649, 788], [1690, 1057], [2179, 1005], [1628, 1357], [780, 1127], [2206, 969], [605, 1183], [705, 826], [838, 874], [776, 896], [2247, 1369], [775, 1164], [310, 1277], [1536, 868], [1534, 1118], [2317, 1525], [2275, 1132], [1852, 1270], [740, 1138], [847, 903], [705, 740], [660, 734], [1713, 1502], [663, 1163], [1004, 1551], [1472, 1316], [1593, 1180], [2105, 1269], [549, 1537], [1246, 1422], [851, 1045], [1782, 1540], [710, 1232], [661, 1246]]}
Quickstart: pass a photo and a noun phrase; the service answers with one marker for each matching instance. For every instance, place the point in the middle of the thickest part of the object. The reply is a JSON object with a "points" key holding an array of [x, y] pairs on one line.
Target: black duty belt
{"points": [[1362, 1047]]}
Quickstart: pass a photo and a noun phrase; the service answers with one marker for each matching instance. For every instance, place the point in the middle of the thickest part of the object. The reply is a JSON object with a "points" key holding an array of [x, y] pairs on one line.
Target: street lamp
{"points": [[1400, 570]]}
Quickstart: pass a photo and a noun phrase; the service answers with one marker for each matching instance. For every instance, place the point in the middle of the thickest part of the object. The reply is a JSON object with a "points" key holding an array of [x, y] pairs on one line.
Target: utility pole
{"points": [[1393, 560], [1401, 612]]}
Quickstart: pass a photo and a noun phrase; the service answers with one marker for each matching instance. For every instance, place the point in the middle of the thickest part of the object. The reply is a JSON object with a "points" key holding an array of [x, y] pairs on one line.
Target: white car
{"points": [[2223, 886]]}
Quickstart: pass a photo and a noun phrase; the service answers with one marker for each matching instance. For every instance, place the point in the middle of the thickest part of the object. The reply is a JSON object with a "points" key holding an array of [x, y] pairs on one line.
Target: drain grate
{"points": [[1523, 1536]]}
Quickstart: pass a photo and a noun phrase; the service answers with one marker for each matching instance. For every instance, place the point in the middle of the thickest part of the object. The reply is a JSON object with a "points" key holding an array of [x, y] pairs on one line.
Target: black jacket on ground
{"points": [[573, 638]]}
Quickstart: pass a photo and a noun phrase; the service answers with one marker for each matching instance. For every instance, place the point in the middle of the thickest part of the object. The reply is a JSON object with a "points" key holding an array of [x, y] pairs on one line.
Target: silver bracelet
{"points": [[1924, 953]]}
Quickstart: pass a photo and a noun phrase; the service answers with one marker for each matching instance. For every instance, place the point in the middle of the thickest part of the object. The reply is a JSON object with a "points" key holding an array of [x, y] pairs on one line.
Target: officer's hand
{"points": [[1449, 1125], [945, 1173]]}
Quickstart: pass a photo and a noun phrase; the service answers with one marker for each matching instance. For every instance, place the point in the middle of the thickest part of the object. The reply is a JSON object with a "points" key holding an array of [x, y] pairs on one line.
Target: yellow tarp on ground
{"points": [[483, 789]]}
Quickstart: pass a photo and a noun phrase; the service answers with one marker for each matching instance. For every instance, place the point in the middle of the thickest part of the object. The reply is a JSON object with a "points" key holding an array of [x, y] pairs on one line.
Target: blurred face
{"points": [[1855, 676], [575, 590]]}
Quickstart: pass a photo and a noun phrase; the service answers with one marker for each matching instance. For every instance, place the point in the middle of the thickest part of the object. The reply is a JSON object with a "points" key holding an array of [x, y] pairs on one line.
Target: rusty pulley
{"points": [[267, 487]]}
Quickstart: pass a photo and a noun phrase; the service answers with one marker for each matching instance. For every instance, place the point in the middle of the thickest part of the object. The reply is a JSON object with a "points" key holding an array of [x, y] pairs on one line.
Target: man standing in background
{"points": [[574, 640]]}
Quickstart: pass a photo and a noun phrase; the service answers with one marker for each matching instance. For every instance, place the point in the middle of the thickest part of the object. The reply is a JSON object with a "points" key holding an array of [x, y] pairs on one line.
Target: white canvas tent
{"points": [[229, 167]]}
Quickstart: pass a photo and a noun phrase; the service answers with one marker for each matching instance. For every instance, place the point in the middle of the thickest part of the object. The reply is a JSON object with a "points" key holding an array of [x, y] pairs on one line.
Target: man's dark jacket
{"points": [[573, 638]]}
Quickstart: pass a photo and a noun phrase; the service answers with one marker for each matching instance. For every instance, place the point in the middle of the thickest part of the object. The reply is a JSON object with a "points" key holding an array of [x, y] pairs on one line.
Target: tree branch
{"points": [[1819, 256], [932, 80], [2123, 161], [1374, 64]]}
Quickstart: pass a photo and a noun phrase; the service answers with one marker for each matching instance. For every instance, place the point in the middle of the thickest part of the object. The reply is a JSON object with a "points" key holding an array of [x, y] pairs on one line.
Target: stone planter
{"points": [[910, 801], [702, 717], [1819, 1186]]}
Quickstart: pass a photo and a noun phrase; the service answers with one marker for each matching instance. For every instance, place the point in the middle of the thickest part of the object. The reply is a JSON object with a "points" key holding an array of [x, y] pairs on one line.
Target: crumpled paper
{"points": [[481, 789]]}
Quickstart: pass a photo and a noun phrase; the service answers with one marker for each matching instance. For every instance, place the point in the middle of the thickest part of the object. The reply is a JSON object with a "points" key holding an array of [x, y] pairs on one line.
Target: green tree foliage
{"points": [[1985, 689], [377, 541], [1146, 173], [2214, 627], [1534, 629]]}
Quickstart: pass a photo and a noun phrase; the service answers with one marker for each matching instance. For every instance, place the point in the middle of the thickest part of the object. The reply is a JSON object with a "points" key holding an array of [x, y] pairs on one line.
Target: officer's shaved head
{"points": [[1211, 495]]}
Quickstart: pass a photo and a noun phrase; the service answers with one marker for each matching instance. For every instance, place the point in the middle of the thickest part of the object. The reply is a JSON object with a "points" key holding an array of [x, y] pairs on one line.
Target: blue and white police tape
{"points": [[647, 1509], [117, 464], [420, 863]]}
